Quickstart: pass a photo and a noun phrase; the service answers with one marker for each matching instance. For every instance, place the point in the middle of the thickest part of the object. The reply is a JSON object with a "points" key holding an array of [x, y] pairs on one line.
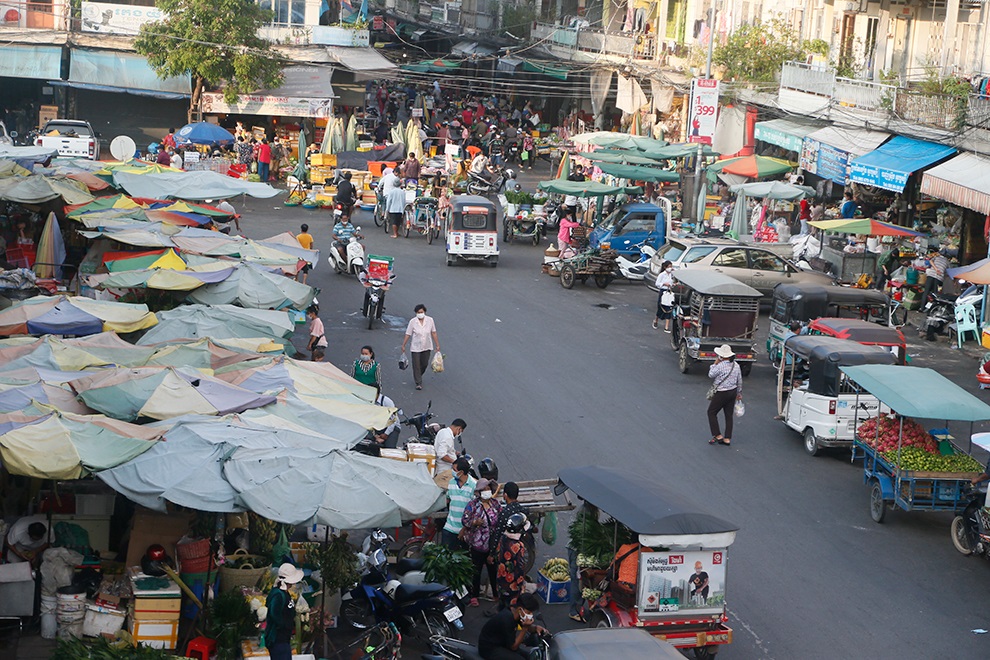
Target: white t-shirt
{"points": [[383, 400], [444, 444], [479, 164], [18, 536]]}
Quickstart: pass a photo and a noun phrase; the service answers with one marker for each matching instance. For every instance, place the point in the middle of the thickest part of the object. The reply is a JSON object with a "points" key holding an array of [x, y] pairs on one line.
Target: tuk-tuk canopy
{"points": [[798, 301], [825, 355], [918, 392], [602, 644], [710, 283], [482, 213], [660, 517], [458, 202], [586, 188], [858, 330]]}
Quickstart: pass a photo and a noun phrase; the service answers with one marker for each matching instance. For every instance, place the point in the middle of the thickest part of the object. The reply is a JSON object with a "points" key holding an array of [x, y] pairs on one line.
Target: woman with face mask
{"points": [[366, 369], [479, 521], [421, 334], [665, 300]]}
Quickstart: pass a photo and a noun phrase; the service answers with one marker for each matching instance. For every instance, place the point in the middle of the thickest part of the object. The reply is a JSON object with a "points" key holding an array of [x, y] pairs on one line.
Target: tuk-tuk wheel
{"points": [[567, 276], [599, 619], [506, 232], [878, 508], [450, 260], [706, 652], [683, 359], [745, 368], [675, 334], [811, 442]]}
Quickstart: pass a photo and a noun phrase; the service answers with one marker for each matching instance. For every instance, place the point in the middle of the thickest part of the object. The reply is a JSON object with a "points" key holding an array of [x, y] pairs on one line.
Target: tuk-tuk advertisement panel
{"points": [[681, 582]]}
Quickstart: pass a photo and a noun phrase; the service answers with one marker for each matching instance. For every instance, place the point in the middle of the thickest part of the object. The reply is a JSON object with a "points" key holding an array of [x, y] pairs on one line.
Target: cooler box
{"points": [[102, 620], [419, 452], [552, 592], [379, 267]]}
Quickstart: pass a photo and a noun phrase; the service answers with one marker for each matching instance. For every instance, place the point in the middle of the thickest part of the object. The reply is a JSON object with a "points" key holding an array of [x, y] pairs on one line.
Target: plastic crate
{"points": [[102, 620]]}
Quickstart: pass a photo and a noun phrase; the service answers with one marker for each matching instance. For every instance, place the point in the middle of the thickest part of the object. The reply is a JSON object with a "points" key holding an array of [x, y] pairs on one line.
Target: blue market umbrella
{"points": [[203, 132]]}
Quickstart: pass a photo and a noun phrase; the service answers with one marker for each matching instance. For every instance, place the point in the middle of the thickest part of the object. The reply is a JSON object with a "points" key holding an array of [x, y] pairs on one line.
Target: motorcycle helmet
{"points": [[153, 561], [487, 469], [516, 523], [510, 174], [155, 552]]}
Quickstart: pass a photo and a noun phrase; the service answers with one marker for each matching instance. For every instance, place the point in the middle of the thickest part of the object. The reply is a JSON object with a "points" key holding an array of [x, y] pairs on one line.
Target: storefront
{"points": [[827, 152], [964, 182], [785, 137]]}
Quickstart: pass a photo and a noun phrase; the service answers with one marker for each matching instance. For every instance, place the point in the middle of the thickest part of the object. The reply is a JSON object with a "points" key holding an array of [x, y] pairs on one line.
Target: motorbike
{"points": [[426, 431], [940, 309], [636, 270], [971, 529], [352, 261], [373, 562], [374, 298], [551, 208], [479, 185], [512, 152], [445, 648]]}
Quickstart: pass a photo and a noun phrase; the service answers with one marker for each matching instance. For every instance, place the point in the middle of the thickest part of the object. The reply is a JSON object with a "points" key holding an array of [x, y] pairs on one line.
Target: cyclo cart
{"points": [[679, 545], [815, 398], [597, 263], [713, 309], [904, 465], [803, 302], [421, 215]]}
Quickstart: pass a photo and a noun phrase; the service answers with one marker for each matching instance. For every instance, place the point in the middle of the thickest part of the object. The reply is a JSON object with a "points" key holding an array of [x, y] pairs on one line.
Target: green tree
{"points": [[756, 53], [216, 42]]}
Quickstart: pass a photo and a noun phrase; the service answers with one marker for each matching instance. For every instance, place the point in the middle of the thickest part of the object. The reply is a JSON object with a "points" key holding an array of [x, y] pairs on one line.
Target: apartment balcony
{"points": [[813, 90], [315, 35], [590, 45]]}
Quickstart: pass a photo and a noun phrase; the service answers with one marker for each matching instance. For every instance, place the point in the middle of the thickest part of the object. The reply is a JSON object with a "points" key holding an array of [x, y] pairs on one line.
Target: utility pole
{"points": [[700, 210]]}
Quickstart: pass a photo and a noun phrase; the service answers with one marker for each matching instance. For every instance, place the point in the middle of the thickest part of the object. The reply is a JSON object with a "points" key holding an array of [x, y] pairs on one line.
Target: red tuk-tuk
{"points": [[862, 332]]}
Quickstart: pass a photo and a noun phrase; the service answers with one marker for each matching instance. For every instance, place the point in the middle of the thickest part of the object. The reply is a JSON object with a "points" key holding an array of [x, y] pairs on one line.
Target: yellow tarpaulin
{"points": [[118, 317], [367, 415], [170, 261]]}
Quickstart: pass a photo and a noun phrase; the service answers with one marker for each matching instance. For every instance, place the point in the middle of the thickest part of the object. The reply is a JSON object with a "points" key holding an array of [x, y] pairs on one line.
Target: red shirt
{"points": [[467, 117], [265, 153]]}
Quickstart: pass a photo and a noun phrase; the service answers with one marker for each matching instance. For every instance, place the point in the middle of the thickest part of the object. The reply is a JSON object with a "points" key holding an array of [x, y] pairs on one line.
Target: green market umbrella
{"points": [[864, 226], [621, 157], [680, 150], [754, 167], [586, 188], [564, 167], [639, 173]]}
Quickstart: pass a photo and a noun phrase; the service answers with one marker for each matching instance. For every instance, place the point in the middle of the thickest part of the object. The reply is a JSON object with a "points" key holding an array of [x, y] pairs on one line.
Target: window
{"points": [[733, 258], [286, 12], [696, 254], [474, 221], [670, 252], [640, 222], [762, 260]]}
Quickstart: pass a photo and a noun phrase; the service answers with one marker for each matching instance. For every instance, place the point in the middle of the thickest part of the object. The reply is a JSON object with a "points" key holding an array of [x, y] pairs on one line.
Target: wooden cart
{"points": [[599, 264]]}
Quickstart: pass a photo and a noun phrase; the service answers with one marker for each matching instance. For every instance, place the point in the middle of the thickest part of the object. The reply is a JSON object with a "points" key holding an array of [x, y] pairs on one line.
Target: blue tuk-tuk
{"points": [[629, 227]]}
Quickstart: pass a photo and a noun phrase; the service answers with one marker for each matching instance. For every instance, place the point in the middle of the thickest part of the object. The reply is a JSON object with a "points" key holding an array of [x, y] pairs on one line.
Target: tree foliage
{"points": [[216, 41], [756, 53]]}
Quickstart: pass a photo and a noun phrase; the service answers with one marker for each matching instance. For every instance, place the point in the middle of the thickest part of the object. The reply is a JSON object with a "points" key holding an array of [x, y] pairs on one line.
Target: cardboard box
{"points": [[250, 648], [156, 634], [420, 450], [552, 592], [394, 454], [150, 527], [156, 609]]}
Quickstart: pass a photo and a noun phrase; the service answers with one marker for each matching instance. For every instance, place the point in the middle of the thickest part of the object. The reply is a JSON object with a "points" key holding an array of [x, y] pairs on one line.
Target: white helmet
{"points": [[511, 174], [390, 588]]}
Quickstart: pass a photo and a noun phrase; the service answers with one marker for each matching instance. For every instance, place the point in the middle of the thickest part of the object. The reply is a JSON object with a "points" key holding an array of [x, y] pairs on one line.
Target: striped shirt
{"points": [[726, 376], [459, 497]]}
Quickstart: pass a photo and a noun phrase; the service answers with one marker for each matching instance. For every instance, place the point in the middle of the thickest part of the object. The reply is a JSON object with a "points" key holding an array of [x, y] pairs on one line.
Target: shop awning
{"points": [[784, 133], [359, 59], [509, 64], [22, 61], [963, 181], [827, 151], [890, 165], [125, 72], [464, 48], [548, 71], [418, 34]]}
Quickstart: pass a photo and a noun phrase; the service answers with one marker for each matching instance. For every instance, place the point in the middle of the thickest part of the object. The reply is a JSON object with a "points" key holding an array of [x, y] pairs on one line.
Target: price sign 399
{"points": [[704, 110]]}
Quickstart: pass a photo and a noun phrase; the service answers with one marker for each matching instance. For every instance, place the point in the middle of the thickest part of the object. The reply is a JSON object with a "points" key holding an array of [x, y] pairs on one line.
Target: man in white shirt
{"points": [[27, 538], [445, 443], [480, 166]]}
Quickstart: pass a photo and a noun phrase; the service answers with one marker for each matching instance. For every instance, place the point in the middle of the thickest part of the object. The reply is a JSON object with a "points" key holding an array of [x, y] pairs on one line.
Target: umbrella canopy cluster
{"points": [[753, 167], [24, 187], [73, 315]]}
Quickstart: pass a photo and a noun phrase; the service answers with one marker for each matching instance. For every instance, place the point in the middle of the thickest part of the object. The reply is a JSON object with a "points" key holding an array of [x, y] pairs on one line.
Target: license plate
{"points": [[452, 613]]}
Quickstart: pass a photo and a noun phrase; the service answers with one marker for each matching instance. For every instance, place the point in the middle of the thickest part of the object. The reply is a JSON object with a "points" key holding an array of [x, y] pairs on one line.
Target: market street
{"points": [[548, 378]]}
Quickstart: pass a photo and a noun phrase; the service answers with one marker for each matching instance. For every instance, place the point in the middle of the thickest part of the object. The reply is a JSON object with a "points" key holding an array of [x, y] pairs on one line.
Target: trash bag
{"points": [[280, 551], [550, 528]]}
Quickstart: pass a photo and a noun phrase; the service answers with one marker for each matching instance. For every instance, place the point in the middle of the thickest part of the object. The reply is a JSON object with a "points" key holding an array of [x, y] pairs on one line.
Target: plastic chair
{"points": [[201, 647], [966, 322]]}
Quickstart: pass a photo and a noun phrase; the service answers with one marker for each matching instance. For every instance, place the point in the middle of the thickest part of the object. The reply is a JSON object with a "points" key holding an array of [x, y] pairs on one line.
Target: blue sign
{"points": [[832, 163], [880, 177]]}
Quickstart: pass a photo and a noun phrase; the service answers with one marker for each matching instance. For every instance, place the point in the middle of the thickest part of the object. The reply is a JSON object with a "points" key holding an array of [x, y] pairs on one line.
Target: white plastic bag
{"points": [[739, 409], [437, 364], [667, 298]]}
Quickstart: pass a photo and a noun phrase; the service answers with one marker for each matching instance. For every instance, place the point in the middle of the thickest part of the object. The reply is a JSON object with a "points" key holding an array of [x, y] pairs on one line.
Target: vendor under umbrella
{"points": [[281, 615]]}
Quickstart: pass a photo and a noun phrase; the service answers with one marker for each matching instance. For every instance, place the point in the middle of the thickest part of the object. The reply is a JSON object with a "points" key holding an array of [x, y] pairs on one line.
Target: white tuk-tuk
{"points": [[815, 398], [471, 230]]}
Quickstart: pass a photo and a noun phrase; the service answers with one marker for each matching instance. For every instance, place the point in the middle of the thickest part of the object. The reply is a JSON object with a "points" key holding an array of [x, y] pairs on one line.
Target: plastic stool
{"points": [[201, 647]]}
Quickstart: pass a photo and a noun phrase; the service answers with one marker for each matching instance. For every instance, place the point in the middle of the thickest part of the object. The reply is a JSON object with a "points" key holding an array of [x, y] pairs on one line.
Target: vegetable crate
{"points": [[551, 591]]}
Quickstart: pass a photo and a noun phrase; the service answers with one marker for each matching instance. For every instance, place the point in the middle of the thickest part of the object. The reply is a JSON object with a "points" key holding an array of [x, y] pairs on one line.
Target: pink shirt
{"points": [[564, 235], [316, 330], [421, 334]]}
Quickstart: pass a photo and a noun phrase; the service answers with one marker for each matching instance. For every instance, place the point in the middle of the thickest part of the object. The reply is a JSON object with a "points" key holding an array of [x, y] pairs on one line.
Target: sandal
{"points": [[725, 441], [716, 439], [577, 617]]}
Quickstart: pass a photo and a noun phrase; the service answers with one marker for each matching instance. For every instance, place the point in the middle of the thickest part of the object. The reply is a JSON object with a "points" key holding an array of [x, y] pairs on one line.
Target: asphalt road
{"points": [[548, 378]]}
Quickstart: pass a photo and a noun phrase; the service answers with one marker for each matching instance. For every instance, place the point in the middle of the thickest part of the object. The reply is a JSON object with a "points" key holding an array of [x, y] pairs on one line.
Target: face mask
{"points": [[365, 358], [526, 619], [421, 315], [670, 269], [486, 495], [513, 536]]}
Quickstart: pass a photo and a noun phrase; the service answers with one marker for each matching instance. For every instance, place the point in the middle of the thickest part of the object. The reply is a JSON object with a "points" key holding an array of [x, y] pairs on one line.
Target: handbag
{"points": [[403, 362], [714, 388]]}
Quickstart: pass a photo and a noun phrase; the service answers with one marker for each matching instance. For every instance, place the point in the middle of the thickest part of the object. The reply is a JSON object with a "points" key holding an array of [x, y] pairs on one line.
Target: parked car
{"points": [[750, 264], [5, 137], [72, 139]]}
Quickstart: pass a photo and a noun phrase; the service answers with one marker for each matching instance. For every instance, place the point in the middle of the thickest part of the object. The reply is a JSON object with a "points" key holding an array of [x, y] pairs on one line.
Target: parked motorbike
{"points": [[512, 153], [426, 431], [551, 208], [636, 270], [479, 185], [373, 562], [524, 225], [941, 309], [352, 261], [971, 529]]}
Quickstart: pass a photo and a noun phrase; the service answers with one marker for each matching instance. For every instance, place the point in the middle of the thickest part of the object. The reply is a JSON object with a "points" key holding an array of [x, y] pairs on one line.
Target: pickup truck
{"points": [[72, 139]]}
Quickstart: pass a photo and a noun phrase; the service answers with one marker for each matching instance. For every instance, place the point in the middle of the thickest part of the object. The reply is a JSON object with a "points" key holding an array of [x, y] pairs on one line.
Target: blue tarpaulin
{"points": [[65, 319], [124, 72], [890, 165], [899, 388], [23, 61]]}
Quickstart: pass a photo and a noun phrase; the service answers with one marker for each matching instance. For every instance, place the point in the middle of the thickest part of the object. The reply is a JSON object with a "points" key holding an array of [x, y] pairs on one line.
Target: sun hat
{"points": [[724, 351], [289, 573]]}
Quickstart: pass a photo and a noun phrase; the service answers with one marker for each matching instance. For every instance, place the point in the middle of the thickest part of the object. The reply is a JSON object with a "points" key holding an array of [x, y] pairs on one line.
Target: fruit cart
{"points": [[679, 589], [597, 263], [904, 465]]}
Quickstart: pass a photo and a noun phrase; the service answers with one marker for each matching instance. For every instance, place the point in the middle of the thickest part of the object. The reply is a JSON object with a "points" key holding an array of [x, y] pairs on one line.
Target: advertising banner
{"points": [[278, 106], [679, 582], [704, 110], [117, 19]]}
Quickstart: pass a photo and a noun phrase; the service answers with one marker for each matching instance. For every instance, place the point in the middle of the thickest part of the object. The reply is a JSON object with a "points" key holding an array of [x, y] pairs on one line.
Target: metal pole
{"points": [[700, 212]]}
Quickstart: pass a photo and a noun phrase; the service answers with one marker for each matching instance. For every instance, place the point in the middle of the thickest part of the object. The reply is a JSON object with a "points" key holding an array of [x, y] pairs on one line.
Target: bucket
{"points": [[70, 612], [196, 583], [912, 276], [49, 623]]}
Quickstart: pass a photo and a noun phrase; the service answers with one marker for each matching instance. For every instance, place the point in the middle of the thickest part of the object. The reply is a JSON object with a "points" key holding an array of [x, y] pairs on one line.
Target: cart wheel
{"points": [[411, 549], [599, 619], [407, 222], [567, 276], [379, 216], [898, 317], [431, 233], [675, 334], [705, 652], [811, 442], [960, 536], [506, 231], [683, 359], [745, 368], [536, 238], [878, 508], [602, 280]]}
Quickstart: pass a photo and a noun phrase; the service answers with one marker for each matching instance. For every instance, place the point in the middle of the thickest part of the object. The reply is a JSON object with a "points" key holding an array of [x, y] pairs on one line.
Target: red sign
{"points": [[378, 23], [676, 559]]}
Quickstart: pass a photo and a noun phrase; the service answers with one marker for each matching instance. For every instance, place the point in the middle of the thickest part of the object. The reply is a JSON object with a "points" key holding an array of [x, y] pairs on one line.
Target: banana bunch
{"points": [[264, 532], [591, 594], [557, 569]]}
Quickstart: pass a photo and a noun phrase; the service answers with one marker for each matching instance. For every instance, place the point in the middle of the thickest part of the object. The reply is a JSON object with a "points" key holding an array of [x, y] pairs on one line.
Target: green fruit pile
{"points": [[915, 458], [557, 569], [591, 594]]}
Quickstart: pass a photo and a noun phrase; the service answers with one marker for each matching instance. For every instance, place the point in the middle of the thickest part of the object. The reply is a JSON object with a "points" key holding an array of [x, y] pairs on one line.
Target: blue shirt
{"points": [[459, 498], [848, 209], [343, 232]]}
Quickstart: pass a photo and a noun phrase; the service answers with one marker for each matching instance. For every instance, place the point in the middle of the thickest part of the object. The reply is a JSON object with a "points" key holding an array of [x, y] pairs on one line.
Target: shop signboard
{"points": [[704, 110], [259, 104], [873, 175], [117, 19], [825, 160], [808, 160], [681, 582]]}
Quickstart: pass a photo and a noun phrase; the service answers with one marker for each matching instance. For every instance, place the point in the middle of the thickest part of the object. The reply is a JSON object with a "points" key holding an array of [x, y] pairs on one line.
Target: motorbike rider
{"points": [[366, 280], [497, 149], [503, 636], [342, 233], [346, 194], [481, 167], [389, 436]]}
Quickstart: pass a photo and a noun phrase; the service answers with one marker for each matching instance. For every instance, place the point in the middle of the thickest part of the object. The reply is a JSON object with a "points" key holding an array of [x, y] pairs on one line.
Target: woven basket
{"points": [[197, 564], [193, 549], [246, 576]]}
